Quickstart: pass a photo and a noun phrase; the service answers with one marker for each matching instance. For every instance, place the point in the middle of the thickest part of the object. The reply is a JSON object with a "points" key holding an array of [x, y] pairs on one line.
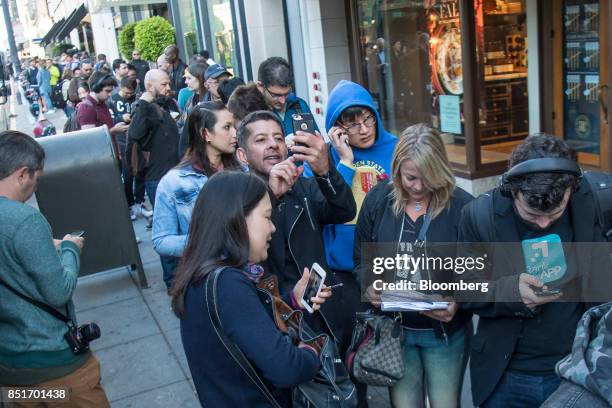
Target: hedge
{"points": [[152, 36], [126, 40]]}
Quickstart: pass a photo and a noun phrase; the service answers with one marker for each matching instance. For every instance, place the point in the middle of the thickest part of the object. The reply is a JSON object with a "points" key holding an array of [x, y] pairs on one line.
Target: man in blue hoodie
{"points": [[275, 81], [361, 150]]}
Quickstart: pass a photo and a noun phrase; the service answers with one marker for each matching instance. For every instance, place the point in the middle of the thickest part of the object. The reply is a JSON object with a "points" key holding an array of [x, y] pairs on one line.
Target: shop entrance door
{"points": [[582, 79]]}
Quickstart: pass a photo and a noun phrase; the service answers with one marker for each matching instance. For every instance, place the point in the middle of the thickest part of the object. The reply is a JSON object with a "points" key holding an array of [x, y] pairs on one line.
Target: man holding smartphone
{"points": [[33, 349], [304, 205], [527, 323]]}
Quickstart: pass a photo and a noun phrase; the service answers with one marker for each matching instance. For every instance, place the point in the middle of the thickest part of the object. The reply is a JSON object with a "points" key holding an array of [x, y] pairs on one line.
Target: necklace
{"points": [[418, 206]]}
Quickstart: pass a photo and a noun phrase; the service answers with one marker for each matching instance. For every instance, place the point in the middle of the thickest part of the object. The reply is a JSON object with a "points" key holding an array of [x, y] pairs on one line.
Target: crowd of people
{"points": [[234, 186]]}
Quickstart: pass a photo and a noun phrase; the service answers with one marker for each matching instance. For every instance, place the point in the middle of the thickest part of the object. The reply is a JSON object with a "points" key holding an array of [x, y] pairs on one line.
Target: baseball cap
{"points": [[215, 71]]}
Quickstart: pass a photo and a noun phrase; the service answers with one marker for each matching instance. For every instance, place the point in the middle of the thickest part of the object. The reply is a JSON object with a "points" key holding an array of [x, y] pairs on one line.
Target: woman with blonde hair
{"points": [[420, 206]]}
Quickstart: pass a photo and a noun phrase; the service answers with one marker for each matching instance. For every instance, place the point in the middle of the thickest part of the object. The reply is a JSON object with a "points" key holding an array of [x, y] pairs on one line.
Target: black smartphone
{"points": [[546, 292], [303, 122], [77, 233]]}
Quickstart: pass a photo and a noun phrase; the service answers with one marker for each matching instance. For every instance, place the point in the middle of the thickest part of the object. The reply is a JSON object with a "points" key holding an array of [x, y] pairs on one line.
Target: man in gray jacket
{"points": [[34, 267]]}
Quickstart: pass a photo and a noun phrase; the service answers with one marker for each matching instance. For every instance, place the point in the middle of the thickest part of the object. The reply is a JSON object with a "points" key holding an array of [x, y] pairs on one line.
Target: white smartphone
{"points": [[313, 287]]}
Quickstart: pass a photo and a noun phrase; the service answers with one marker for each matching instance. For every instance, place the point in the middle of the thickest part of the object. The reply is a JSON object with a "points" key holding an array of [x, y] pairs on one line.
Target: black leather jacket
{"points": [[299, 217], [377, 223]]}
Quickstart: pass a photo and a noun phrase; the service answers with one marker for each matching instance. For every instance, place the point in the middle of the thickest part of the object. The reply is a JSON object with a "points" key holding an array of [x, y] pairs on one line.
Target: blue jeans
{"points": [[48, 101], [521, 390], [168, 263], [432, 365], [151, 189], [69, 110]]}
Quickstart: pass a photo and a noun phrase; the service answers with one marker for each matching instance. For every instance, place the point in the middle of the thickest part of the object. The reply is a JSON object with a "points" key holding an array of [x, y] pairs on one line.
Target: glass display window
{"points": [[191, 40], [502, 69], [581, 77], [222, 34], [410, 60]]}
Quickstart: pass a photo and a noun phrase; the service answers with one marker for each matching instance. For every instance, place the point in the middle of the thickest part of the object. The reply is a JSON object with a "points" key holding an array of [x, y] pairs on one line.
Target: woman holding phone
{"points": [[232, 228], [420, 206]]}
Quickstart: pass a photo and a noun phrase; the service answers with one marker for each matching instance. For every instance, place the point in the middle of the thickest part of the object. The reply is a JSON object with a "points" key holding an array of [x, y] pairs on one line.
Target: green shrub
{"points": [[57, 50], [126, 40], [152, 36]]}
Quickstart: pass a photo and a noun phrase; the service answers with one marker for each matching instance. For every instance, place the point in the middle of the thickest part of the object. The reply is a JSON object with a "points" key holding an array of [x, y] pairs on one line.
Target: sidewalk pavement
{"points": [[140, 351]]}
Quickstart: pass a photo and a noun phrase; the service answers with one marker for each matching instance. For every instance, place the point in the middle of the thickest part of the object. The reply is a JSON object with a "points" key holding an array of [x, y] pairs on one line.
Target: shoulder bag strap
{"points": [[601, 187], [230, 346], [53, 312]]}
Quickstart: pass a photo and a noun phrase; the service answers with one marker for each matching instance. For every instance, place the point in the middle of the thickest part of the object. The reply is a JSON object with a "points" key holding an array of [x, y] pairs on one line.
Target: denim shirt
{"points": [[176, 196]]}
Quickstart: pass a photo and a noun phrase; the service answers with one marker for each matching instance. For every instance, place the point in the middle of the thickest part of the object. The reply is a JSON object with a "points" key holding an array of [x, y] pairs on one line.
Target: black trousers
{"points": [[133, 184], [347, 302]]}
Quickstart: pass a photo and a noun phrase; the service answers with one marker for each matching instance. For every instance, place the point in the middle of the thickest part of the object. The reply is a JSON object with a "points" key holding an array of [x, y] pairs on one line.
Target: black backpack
{"points": [[601, 186], [57, 97], [72, 123]]}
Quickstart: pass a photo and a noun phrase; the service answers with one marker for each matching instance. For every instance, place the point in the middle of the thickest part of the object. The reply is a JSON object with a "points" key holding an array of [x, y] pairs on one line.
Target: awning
{"points": [[71, 23], [47, 38]]}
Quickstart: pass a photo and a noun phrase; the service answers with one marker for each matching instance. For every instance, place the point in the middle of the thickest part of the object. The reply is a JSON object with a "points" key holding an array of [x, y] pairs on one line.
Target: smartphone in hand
{"points": [[303, 122], [313, 287], [546, 292], [79, 233]]}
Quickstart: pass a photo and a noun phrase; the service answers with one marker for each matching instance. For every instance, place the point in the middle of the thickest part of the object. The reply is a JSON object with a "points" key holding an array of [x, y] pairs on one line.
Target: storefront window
{"points": [[581, 77], [504, 103], [191, 41], [222, 34], [413, 67], [411, 64]]}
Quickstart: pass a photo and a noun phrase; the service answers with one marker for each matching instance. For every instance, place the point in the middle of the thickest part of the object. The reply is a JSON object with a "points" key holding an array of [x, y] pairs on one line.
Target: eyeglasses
{"points": [[277, 96], [354, 129]]}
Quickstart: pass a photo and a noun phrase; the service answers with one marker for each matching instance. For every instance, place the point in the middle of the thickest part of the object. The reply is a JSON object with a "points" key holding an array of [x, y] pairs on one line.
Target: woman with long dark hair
{"points": [[194, 78], [232, 227], [212, 144]]}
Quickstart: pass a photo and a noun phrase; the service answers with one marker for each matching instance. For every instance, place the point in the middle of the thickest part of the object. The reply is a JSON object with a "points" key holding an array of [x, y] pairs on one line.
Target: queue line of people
{"points": [[246, 198]]}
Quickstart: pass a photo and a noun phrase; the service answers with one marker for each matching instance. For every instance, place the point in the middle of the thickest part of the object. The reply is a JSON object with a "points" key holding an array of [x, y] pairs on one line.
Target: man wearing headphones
{"points": [[537, 283], [94, 110]]}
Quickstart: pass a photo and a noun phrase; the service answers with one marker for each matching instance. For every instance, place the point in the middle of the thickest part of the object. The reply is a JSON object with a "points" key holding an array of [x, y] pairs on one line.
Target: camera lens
{"points": [[90, 331]]}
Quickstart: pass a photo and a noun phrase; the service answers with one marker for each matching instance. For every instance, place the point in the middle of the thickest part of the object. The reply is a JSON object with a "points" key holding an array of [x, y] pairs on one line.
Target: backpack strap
{"points": [[210, 295], [481, 214], [601, 186]]}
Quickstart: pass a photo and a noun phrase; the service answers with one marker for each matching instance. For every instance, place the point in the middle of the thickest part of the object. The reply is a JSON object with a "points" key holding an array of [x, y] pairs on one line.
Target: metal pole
{"points": [[11, 36]]}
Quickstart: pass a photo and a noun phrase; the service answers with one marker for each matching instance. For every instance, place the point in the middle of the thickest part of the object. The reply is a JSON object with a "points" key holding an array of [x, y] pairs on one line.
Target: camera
{"points": [[79, 337]]}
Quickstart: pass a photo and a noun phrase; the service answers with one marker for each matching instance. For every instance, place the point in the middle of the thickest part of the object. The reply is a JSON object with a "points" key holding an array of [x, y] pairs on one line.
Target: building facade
{"points": [[487, 73]]}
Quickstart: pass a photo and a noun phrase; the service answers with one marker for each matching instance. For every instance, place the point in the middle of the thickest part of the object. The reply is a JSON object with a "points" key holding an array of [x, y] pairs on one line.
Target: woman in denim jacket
{"points": [[211, 148]]}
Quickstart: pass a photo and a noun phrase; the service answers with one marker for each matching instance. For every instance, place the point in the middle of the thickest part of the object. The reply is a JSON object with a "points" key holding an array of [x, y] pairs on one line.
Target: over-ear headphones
{"points": [[541, 165], [97, 86]]}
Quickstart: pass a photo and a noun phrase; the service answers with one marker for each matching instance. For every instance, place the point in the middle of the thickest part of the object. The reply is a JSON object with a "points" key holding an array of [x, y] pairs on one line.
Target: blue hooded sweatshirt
{"points": [[339, 238]]}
